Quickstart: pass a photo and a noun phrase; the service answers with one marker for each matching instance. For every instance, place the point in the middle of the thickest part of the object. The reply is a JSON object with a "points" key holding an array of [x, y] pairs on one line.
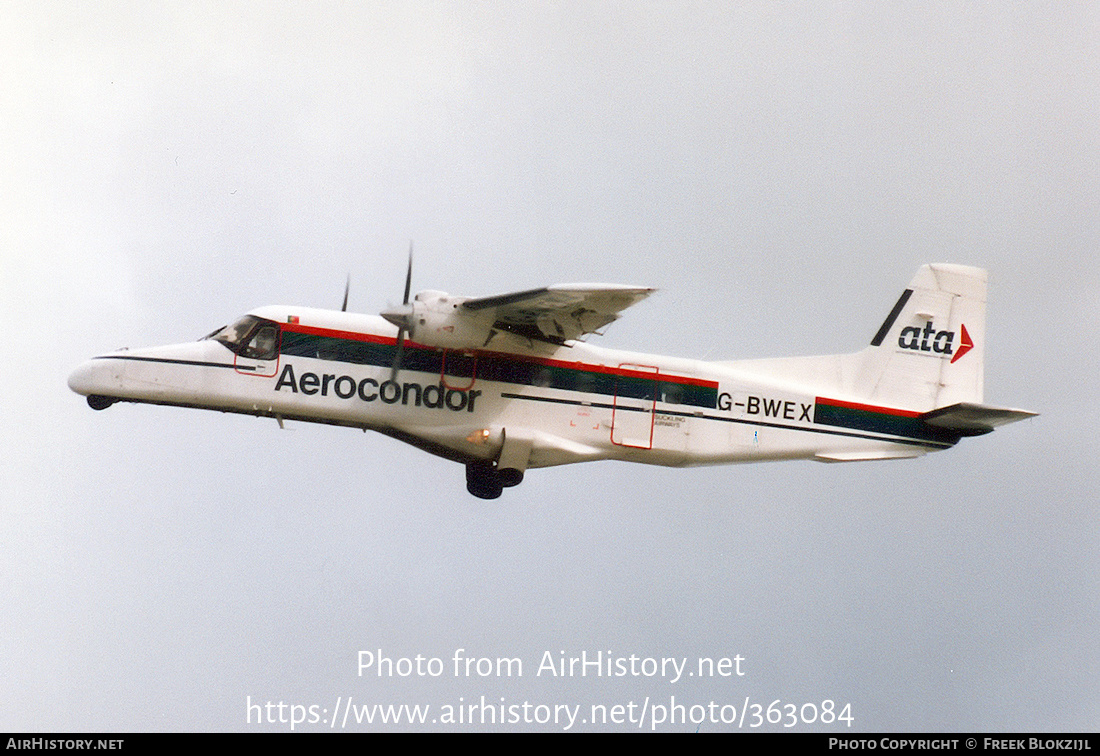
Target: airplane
{"points": [[504, 384]]}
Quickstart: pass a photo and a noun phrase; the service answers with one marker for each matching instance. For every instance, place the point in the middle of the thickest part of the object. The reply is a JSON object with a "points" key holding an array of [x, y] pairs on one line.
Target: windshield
{"points": [[250, 337]]}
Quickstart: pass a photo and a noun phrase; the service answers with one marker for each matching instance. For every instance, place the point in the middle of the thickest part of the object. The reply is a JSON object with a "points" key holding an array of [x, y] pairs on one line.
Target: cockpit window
{"points": [[250, 337], [261, 344]]}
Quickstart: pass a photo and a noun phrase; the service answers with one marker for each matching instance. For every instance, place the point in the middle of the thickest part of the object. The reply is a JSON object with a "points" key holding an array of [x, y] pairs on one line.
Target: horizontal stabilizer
{"points": [[969, 419]]}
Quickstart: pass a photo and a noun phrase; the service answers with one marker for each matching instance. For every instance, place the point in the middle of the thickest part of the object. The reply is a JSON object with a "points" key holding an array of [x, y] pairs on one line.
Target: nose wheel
{"points": [[100, 402]]}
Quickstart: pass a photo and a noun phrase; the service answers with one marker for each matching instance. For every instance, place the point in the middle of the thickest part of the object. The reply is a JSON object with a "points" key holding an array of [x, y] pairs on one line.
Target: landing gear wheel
{"points": [[483, 481], [97, 402], [509, 476]]}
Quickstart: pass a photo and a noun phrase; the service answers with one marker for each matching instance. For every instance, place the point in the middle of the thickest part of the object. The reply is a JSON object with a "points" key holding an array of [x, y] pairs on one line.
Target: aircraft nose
{"points": [[83, 380], [96, 377]]}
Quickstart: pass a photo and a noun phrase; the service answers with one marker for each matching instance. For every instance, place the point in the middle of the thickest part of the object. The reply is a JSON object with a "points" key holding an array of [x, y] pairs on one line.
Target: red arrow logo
{"points": [[964, 347]]}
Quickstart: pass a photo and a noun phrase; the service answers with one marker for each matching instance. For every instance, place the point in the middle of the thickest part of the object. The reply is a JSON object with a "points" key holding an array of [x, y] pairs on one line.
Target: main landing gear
{"points": [[486, 481]]}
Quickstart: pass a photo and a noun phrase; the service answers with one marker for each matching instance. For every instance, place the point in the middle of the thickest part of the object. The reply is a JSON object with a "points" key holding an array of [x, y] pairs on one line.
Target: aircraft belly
{"points": [[572, 427]]}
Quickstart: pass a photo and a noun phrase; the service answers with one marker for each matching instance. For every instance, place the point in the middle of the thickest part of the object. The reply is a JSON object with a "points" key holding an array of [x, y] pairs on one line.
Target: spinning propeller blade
{"points": [[402, 317]]}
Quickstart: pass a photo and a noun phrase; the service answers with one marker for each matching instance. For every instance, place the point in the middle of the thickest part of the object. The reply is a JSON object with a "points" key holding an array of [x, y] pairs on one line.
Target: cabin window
{"points": [[672, 393]]}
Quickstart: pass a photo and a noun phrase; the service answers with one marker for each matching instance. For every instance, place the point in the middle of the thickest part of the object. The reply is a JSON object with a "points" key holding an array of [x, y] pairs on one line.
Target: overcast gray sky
{"points": [[778, 171]]}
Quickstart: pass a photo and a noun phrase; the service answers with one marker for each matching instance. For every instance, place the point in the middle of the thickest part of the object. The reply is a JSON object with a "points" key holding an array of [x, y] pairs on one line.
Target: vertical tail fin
{"points": [[929, 352]]}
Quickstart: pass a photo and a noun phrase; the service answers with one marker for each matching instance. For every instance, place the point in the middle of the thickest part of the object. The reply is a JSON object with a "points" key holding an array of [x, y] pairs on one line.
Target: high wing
{"points": [[560, 312]]}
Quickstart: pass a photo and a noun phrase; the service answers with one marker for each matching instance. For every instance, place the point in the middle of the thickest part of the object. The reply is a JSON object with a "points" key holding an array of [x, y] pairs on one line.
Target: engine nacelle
{"points": [[439, 321]]}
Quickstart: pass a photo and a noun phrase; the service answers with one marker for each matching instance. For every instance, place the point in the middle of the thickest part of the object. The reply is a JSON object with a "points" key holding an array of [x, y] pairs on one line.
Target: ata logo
{"points": [[929, 339]]}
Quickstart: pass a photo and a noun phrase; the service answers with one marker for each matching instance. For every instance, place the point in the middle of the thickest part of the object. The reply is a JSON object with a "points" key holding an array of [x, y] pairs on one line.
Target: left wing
{"points": [[560, 312]]}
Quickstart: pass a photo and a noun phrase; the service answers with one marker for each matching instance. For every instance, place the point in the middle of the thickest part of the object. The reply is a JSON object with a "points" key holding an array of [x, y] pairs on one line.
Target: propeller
{"points": [[402, 317], [347, 288]]}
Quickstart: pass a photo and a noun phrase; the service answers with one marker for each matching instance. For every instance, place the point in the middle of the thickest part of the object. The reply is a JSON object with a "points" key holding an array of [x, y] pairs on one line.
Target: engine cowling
{"points": [[436, 319]]}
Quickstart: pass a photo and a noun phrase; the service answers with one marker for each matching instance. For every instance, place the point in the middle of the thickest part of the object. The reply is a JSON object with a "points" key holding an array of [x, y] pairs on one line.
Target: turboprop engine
{"points": [[433, 319]]}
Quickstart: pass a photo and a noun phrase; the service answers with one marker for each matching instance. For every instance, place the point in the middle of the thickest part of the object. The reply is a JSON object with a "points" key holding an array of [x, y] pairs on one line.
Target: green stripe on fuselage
{"points": [[492, 366], [880, 421]]}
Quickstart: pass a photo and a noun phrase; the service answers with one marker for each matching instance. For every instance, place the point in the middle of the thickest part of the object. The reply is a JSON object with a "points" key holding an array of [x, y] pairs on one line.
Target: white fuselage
{"points": [[567, 403]]}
